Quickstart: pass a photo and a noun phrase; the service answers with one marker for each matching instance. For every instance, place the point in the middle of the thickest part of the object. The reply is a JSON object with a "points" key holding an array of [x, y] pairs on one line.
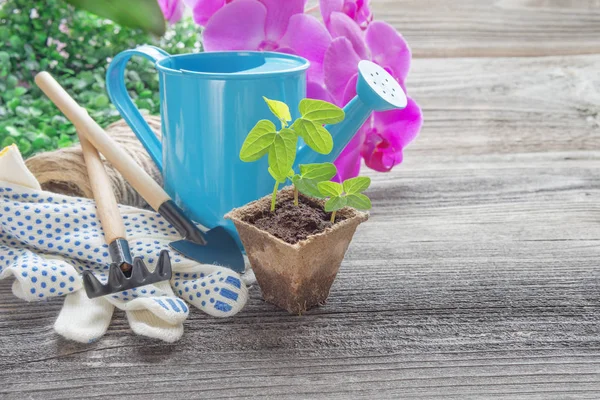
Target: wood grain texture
{"points": [[477, 275], [106, 202], [495, 28], [507, 105]]}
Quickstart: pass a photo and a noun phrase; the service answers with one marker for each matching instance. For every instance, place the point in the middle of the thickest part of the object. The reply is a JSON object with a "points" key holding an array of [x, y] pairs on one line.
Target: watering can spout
{"points": [[376, 90]]}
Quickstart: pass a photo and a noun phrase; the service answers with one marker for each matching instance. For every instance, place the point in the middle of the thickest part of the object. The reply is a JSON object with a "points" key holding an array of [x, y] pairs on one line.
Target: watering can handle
{"points": [[117, 91]]}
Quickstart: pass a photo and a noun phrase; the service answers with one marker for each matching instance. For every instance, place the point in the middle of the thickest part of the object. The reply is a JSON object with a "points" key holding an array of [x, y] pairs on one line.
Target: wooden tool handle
{"points": [[133, 173], [106, 203]]}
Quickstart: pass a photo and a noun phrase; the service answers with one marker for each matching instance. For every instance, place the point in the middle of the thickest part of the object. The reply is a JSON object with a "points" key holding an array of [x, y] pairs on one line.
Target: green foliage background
{"points": [[28, 45]]}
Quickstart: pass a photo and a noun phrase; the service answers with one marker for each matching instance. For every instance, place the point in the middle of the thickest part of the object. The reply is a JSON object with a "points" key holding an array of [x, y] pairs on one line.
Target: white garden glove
{"points": [[47, 240]]}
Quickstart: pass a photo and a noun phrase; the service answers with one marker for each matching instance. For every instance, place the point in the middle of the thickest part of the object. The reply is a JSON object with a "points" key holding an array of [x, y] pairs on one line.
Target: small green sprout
{"points": [[309, 177], [347, 194], [281, 146], [280, 110], [309, 127]]}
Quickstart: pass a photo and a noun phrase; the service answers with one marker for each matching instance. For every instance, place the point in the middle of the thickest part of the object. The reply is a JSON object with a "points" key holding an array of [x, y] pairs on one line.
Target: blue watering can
{"points": [[210, 101]]}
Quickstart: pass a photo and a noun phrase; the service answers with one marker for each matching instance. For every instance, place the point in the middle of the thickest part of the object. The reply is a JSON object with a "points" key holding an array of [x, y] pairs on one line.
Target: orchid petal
{"points": [[357, 10], [287, 50], [237, 26], [339, 66], [203, 10], [329, 6], [307, 36], [400, 127], [388, 49], [315, 90], [309, 39], [315, 70], [350, 9], [392, 132], [172, 10], [363, 16], [279, 13], [348, 162], [381, 160], [350, 90], [342, 25]]}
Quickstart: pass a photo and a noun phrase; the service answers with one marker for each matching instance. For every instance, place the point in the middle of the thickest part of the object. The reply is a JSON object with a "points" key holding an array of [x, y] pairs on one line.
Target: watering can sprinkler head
{"points": [[376, 90]]}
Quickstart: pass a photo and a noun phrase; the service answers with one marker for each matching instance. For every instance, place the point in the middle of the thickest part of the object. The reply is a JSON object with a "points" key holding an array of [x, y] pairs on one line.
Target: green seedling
{"points": [[281, 146], [280, 110], [347, 194], [309, 177], [309, 127]]}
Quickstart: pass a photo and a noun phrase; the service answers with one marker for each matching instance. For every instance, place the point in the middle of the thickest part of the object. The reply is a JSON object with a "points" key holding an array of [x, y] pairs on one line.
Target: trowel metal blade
{"points": [[220, 249]]}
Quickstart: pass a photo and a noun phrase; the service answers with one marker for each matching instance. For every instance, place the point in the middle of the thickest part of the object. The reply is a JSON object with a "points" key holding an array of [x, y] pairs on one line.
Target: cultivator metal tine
{"points": [[163, 268], [118, 282], [139, 272], [116, 277], [92, 285]]}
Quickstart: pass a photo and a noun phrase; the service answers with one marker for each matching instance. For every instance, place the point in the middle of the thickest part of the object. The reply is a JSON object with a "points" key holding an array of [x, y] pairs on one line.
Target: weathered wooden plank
{"points": [[488, 106], [495, 28], [467, 282], [476, 277]]}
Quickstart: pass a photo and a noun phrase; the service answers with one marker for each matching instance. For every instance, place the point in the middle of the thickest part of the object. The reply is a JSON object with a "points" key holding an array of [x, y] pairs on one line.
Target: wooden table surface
{"points": [[476, 277]]}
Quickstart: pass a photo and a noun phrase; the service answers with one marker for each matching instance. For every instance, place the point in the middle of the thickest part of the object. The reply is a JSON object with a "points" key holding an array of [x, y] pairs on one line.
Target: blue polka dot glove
{"points": [[47, 240]]}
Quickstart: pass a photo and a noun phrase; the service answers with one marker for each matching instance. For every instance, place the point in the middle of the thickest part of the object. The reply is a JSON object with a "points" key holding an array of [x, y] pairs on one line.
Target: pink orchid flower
{"points": [[269, 25], [203, 10], [172, 10], [357, 10], [383, 137], [387, 134], [275, 25]]}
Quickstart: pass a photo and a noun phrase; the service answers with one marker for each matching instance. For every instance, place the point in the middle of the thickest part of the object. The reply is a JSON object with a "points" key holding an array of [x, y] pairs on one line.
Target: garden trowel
{"points": [[216, 246]]}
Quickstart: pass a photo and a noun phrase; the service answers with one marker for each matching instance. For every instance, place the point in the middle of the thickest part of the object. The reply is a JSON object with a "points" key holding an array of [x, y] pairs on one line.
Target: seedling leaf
{"points": [[315, 136], [321, 112], [359, 201], [308, 187], [280, 109], [258, 141], [277, 179], [313, 179], [335, 203], [282, 154], [330, 189], [357, 185], [318, 172]]}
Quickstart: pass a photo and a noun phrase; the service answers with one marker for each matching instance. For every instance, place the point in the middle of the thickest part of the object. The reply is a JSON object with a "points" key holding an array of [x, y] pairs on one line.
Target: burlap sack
{"points": [[295, 277]]}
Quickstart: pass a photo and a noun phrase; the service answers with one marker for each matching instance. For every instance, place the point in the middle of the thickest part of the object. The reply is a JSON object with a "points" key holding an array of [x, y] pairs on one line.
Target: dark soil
{"points": [[292, 223]]}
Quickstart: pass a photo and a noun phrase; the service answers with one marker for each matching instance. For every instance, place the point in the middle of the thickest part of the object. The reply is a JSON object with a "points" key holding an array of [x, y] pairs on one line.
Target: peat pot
{"points": [[295, 277]]}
